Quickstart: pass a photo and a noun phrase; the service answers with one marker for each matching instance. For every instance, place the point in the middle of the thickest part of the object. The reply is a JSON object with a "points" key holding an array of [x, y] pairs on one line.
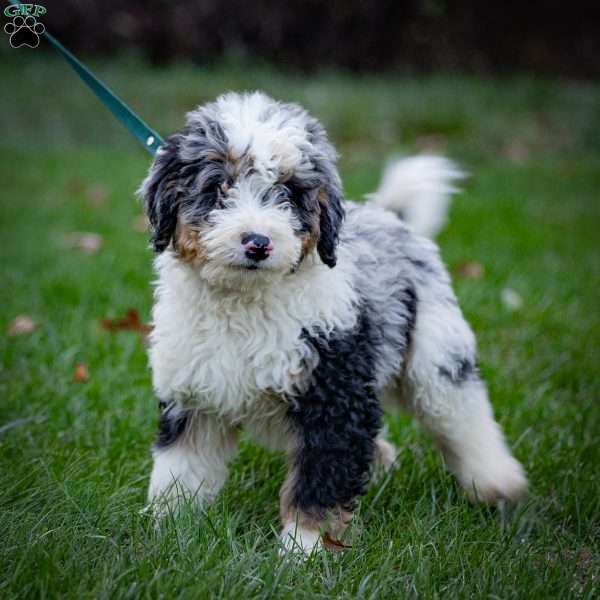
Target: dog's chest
{"points": [[226, 352], [226, 359]]}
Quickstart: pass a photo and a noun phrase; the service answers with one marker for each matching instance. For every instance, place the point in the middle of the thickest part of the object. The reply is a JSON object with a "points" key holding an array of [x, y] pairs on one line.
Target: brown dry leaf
{"points": [[567, 168], [87, 242], [81, 373], [75, 186], [333, 544], [21, 325], [141, 224], [470, 270], [130, 322], [96, 195], [432, 143], [517, 152]]}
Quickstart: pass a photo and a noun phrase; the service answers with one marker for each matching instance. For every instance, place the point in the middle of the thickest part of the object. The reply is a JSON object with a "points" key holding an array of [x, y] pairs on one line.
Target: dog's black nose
{"points": [[257, 247]]}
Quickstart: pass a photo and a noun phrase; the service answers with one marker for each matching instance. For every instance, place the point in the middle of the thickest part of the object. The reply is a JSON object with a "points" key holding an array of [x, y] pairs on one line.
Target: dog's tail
{"points": [[418, 190]]}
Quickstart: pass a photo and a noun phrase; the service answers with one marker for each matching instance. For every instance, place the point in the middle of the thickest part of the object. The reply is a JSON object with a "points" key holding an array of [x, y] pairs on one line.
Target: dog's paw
{"points": [[160, 508], [299, 541], [156, 517], [494, 481]]}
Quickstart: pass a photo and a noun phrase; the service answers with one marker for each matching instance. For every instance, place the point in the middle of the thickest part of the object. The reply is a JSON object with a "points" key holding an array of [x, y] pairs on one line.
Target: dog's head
{"points": [[248, 189]]}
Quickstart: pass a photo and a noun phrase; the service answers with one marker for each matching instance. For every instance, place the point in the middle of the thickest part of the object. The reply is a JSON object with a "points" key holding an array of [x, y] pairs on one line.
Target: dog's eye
{"points": [[216, 189], [290, 192], [213, 187]]}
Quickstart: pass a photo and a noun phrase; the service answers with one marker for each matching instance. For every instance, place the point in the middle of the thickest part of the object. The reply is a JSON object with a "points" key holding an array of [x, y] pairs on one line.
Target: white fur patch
{"points": [[254, 126], [299, 540]]}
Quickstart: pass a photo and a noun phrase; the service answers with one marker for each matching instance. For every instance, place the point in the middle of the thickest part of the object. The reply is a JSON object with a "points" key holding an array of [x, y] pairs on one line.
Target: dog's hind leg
{"points": [[444, 389], [190, 459]]}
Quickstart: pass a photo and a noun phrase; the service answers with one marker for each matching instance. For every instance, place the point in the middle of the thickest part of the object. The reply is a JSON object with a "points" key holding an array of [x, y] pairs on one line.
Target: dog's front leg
{"points": [[335, 424], [190, 458]]}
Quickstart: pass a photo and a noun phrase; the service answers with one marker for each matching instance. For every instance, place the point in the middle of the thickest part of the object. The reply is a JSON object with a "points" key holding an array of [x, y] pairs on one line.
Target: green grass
{"points": [[74, 480]]}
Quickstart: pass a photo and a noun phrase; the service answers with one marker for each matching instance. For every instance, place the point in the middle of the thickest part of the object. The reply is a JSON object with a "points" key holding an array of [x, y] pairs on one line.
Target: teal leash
{"points": [[144, 134]]}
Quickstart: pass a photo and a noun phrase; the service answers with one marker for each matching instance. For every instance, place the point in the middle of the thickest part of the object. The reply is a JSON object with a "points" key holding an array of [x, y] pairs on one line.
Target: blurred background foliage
{"points": [[549, 37]]}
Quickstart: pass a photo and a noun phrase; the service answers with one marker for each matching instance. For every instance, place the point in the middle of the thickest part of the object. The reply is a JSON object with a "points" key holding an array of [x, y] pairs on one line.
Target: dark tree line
{"points": [[552, 37]]}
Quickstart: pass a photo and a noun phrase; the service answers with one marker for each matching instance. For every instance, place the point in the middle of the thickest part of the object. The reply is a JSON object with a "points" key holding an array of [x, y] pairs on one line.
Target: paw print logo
{"points": [[24, 31]]}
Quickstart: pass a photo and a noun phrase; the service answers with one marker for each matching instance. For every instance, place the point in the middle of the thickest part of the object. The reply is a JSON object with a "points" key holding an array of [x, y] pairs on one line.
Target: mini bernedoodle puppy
{"points": [[289, 313]]}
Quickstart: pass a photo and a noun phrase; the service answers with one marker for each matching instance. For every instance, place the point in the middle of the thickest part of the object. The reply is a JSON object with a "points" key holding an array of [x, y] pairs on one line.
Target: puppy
{"points": [[286, 311]]}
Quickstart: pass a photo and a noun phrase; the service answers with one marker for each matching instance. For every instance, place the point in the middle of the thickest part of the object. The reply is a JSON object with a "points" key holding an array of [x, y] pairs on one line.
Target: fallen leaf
{"points": [[431, 143], [511, 299], [333, 544], [141, 224], [75, 186], [470, 270], [22, 325], [81, 373], [96, 195], [130, 322], [87, 242], [517, 152], [567, 168]]}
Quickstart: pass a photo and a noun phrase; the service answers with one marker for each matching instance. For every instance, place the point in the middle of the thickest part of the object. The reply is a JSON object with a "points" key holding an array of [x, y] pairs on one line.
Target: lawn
{"points": [[75, 471]]}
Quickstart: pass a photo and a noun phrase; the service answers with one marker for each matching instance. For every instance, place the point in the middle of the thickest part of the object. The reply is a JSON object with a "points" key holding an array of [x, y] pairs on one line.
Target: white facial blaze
{"points": [[278, 144], [246, 211]]}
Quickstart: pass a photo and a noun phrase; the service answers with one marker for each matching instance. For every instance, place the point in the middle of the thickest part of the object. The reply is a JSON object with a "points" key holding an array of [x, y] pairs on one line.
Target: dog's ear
{"points": [[161, 192], [330, 220], [331, 200]]}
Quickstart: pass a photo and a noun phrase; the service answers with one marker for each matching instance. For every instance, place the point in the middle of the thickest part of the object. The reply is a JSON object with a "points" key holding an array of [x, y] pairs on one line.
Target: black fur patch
{"points": [[163, 192], [172, 423], [331, 218], [332, 211], [409, 299], [337, 419], [318, 205], [462, 370]]}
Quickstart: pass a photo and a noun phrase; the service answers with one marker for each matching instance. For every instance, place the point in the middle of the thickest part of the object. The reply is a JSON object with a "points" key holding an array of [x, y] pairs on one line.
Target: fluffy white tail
{"points": [[418, 189]]}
